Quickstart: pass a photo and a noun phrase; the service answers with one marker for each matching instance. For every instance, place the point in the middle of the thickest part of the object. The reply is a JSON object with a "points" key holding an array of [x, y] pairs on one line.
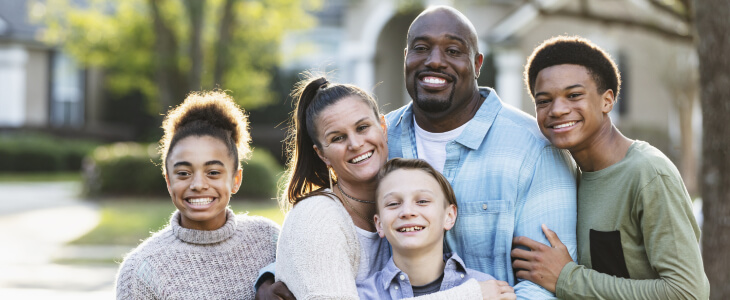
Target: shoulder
{"points": [[521, 125], [393, 116], [138, 262], [323, 206], [256, 223], [650, 161], [317, 214]]}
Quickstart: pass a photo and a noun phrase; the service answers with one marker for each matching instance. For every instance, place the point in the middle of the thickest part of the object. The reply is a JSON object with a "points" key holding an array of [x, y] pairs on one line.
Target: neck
{"points": [[422, 267], [450, 119], [362, 191], [607, 147]]}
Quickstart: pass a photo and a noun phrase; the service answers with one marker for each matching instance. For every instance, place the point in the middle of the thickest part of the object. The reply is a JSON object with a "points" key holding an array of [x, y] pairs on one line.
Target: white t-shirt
{"points": [[431, 146]]}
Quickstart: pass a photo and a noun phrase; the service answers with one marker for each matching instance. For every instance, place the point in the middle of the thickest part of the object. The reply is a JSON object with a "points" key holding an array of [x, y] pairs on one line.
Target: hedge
{"points": [[42, 153], [134, 169]]}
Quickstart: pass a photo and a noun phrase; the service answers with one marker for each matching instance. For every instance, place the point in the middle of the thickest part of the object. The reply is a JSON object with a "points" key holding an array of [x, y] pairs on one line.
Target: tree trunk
{"points": [[195, 13], [221, 47], [168, 77], [712, 19]]}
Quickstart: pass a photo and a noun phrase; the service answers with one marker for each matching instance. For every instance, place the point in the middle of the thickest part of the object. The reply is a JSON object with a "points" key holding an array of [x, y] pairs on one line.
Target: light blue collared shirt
{"points": [[392, 283], [508, 180]]}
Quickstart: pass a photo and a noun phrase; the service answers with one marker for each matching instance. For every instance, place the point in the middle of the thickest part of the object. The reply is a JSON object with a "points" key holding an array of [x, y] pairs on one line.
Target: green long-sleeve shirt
{"points": [[637, 236]]}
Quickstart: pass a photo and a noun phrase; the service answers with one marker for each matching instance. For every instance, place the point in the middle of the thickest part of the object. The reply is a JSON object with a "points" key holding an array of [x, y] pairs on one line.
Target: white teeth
{"points": [[564, 125], [361, 157], [434, 80], [200, 201], [409, 229]]}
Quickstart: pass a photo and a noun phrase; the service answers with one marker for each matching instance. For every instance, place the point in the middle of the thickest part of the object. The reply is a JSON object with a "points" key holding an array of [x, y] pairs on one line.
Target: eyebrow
{"points": [[207, 163], [333, 132], [565, 89]]}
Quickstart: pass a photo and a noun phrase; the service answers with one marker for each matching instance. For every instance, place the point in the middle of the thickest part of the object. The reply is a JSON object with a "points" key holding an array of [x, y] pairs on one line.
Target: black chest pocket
{"points": [[607, 254]]}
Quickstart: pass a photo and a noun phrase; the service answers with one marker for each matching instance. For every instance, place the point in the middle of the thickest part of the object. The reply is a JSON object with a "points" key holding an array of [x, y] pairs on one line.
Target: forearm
{"points": [[528, 290], [468, 290], [579, 282]]}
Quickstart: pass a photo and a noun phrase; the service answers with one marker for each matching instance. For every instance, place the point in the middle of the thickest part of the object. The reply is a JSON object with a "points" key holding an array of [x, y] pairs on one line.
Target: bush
{"points": [[42, 153], [134, 169]]}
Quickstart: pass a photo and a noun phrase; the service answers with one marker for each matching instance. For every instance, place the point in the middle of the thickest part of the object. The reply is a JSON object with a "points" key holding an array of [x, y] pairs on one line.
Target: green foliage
{"points": [[134, 169], [121, 36], [41, 153]]}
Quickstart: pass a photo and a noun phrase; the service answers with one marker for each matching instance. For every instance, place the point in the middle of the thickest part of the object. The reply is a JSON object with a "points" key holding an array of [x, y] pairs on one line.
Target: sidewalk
{"points": [[37, 219]]}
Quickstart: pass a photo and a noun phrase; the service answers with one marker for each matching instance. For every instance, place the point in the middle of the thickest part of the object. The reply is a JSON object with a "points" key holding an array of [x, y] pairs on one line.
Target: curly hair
{"points": [[577, 51], [211, 113]]}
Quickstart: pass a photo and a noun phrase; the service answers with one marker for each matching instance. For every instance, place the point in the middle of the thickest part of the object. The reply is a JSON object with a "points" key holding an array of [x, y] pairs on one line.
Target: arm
{"points": [[550, 199], [132, 284], [671, 241], [318, 253]]}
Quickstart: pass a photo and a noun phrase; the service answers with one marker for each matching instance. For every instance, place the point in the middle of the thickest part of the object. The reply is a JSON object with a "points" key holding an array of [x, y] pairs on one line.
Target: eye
{"points": [[182, 173], [419, 48], [542, 102], [453, 51], [362, 127], [337, 138], [214, 173], [392, 204], [423, 201], [574, 95]]}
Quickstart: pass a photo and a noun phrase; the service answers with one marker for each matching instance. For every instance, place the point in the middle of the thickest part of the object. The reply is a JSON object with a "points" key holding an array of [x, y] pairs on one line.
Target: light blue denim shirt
{"points": [[508, 180], [392, 283]]}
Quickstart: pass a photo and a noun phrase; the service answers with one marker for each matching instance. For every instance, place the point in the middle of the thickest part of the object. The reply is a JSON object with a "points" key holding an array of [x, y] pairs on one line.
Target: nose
{"points": [[356, 142], [435, 59], [559, 108], [199, 183], [407, 210]]}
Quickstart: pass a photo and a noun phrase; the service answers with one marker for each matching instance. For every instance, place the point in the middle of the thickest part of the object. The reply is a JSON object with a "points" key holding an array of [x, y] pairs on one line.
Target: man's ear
{"points": [[237, 180], [607, 101], [405, 52], [450, 217], [321, 156], [478, 61], [378, 226]]}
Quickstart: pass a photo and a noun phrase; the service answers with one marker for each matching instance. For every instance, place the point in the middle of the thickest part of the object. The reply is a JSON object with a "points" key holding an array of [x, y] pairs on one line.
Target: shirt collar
{"points": [[391, 271]]}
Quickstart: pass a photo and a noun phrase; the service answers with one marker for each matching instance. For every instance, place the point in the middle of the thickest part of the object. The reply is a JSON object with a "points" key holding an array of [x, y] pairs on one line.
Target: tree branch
{"points": [[195, 14], [224, 38], [684, 17]]}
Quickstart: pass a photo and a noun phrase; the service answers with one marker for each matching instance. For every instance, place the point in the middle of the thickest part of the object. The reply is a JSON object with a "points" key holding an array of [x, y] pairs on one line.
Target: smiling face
{"points": [[200, 180], [413, 211], [441, 62], [570, 111], [353, 140]]}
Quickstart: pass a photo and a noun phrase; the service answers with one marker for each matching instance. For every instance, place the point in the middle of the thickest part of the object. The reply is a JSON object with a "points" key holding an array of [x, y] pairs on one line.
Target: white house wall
{"points": [[13, 60]]}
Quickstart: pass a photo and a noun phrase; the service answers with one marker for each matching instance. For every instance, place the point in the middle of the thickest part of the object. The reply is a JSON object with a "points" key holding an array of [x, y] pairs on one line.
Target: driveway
{"points": [[37, 219]]}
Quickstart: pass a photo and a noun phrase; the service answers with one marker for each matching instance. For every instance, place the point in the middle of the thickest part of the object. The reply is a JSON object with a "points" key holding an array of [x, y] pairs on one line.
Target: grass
{"points": [[128, 221], [40, 176]]}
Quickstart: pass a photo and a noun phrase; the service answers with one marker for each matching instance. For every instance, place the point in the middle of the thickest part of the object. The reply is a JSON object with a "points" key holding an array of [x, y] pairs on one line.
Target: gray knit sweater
{"points": [[181, 263]]}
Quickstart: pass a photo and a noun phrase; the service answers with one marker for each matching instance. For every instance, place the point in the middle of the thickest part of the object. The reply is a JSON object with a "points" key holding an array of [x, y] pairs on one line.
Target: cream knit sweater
{"points": [[319, 254], [181, 263]]}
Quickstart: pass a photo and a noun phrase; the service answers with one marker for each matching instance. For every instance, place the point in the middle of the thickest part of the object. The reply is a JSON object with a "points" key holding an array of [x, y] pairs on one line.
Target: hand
{"points": [[497, 290], [541, 265], [270, 290]]}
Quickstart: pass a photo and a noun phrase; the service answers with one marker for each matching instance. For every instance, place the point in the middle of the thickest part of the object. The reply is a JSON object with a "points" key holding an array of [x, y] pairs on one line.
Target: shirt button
{"points": [[402, 277], [396, 287], [462, 275], [484, 206]]}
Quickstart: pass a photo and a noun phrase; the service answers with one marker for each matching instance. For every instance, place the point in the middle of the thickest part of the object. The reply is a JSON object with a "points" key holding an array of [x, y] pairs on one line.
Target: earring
{"points": [[329, 174]]}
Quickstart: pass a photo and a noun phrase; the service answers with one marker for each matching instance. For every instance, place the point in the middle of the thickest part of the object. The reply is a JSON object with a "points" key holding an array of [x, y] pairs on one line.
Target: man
{"points": [[507, 177], [637, 236]]}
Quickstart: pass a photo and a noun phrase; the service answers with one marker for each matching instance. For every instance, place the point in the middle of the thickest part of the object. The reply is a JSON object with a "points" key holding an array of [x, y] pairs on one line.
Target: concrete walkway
{"points": [[37, 219]]}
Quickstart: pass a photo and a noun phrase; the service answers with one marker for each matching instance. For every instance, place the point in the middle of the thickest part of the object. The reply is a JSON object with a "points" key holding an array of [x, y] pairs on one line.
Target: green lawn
{"points": [[128, 221]]}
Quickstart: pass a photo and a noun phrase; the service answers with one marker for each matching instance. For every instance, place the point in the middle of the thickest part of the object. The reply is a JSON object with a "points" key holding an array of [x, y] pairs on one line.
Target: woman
{"points": [[338, 143], [206, 252]]}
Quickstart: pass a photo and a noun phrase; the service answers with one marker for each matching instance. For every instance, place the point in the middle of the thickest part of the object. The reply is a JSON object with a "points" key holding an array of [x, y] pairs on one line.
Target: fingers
{"points": [[525, 241], [280, 289], [551, 236], [521, 265], [522, 254], [502, 283]]}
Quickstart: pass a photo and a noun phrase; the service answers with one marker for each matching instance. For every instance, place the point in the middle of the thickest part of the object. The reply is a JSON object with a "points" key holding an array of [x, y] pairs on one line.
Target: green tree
{"points": [[167, 48]]}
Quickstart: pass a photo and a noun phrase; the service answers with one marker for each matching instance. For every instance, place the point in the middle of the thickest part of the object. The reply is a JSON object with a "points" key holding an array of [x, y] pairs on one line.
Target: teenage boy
{"points": [[637, 236], [415, 206]]}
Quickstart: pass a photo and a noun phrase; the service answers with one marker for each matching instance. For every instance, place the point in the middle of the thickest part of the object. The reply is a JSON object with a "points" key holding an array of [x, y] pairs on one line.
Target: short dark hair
{"points": [[577, 51], [422, 165], [307, 175]]}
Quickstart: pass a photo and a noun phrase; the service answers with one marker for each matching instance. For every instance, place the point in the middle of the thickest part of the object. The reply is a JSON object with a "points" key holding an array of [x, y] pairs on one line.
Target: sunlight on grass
{"points": [[129, 221]]}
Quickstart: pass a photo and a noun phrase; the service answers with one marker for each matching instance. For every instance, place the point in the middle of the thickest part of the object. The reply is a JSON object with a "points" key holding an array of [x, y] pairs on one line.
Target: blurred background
{"points": [[84, 85]]}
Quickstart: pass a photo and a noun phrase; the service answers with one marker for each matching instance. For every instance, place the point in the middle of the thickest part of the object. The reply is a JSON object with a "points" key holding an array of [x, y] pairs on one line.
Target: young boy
{"points": [[415, 206], [637, 236]]}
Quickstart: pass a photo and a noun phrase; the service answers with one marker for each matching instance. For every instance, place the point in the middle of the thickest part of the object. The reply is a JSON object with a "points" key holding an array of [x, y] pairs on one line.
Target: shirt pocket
{"points": [[479, 223], [607, 253]]}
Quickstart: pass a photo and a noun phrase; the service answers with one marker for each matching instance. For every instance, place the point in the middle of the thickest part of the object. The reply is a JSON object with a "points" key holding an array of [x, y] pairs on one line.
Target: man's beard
{"points": [[432, 105]]}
